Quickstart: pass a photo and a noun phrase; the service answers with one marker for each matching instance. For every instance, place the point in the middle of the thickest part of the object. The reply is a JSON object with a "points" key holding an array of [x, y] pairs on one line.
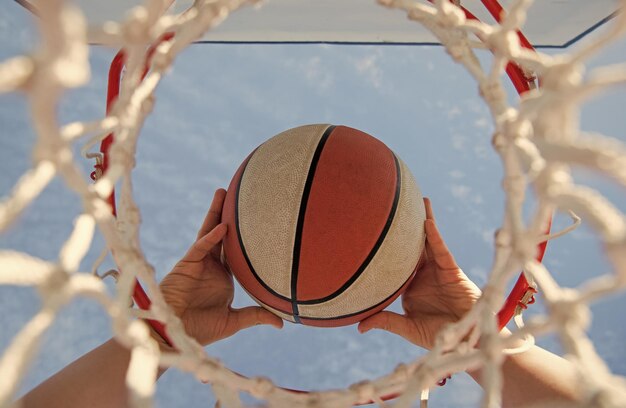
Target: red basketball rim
{"points": [[517, 77]]}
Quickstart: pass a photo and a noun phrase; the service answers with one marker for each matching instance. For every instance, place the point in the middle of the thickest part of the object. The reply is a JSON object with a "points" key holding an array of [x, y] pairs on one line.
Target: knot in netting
{"points": [[448, 337], [525, 245], [401, 372], [492, 91], [450, 16], [54, 283], [161, 60], [569, 311], [491, 347], [262, 387], [147, 104], [514, 184], [554, 180], [206, 370], [458, 50], [137, 28], [561, 76], [133, 217], [212, 13], [364, 390], [514, 126], [122, 155]]}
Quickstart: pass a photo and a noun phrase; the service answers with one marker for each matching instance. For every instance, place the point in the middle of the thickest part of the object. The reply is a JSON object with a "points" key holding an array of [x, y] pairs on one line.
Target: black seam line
{"points": [[295, 263], [239, 237], [369, 308], [375, 248]]}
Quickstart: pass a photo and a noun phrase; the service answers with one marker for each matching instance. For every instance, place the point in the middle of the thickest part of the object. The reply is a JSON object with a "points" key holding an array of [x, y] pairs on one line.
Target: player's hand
{"points": [[200, 290], [439, 294]]}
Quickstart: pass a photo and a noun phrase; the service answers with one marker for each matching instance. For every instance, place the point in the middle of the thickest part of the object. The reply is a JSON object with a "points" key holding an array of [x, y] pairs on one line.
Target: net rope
{"points": [[538, 141]]}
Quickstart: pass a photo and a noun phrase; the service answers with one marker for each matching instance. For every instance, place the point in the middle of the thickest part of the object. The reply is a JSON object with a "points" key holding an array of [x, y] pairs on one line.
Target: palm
{"points": [[435, 293], [200, 290], [200, 294], [435, 298]]}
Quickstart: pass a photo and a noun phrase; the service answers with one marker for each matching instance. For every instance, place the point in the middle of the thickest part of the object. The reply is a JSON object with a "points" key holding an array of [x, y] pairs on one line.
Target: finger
{"points": [[389, 321], [203, 246], [214, 215], [253, 316], [429, 209], [437, 249]]}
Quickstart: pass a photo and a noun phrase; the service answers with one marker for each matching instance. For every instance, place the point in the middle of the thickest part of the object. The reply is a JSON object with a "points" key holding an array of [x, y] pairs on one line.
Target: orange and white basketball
{"points": [[325, 225]]}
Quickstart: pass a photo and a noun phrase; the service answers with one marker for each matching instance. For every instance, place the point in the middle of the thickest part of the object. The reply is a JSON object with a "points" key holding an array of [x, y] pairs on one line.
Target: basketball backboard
{"points": [[550, 23]]}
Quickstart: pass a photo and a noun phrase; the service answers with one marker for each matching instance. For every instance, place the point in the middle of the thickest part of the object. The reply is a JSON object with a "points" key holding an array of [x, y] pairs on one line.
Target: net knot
{"points": [[137, 27], [505, 42], [569, 311], [491, 91], [55, 282], [457, 51], [262, 387], [562, 75], [365, 390], [122, 155], [451, 16], [401, 372], [498, 141]]}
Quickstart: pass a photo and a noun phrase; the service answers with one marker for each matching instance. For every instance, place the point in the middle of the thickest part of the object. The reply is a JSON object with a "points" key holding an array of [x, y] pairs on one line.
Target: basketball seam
{"points": [[240, 238], [375, 248], [368, 308], [295, 262]]}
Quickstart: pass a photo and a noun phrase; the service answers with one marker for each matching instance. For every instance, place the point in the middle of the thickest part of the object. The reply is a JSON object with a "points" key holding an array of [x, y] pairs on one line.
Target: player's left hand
{"points": [[200, 290], [439, 294]]}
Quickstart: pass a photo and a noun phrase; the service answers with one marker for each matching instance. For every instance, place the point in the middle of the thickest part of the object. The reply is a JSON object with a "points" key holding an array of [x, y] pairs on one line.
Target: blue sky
{"points": [[217, 104]]}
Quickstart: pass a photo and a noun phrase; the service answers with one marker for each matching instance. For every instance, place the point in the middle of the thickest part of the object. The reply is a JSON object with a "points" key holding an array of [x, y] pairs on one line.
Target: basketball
{"points": [[325, 225]]}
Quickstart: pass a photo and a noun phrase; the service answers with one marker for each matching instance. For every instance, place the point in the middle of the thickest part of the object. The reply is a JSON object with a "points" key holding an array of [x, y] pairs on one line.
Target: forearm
{"points": [[535, 376], [97, 379]]}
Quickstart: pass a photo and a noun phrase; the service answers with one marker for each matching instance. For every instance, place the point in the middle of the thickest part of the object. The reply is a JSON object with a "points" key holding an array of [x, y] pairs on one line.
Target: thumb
{"points": [[254, 315], [389, 321]]}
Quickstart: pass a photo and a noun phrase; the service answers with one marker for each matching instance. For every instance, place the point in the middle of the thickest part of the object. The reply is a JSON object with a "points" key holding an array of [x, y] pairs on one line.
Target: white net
{"points": [[538, 142]]}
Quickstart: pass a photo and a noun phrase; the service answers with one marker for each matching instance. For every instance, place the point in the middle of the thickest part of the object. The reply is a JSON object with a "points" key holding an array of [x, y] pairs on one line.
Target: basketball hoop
{"points": [[151, 42]]}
